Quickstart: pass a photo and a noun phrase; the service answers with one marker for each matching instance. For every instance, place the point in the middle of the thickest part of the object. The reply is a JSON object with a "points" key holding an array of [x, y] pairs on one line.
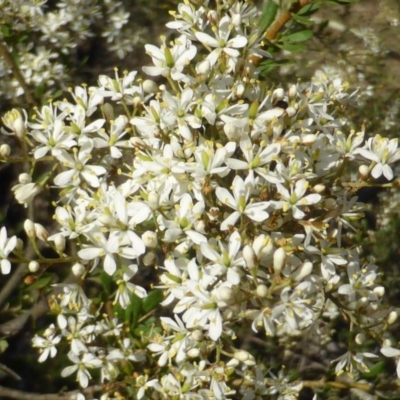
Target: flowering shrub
{"points": [[197, 211]]}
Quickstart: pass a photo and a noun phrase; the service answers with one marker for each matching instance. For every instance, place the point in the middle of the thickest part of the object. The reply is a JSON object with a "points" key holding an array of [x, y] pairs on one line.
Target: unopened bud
{"points": [[149, 86], [309, 139], [150, 239], [5, 150], [108, 111], [24, 178], [262, 291], [302, 271], [241, 355], [387, 343], [249, 256], [203, 67], [212, 16], [278, 94], [78, 269], [232, 132], [153, 200], [291, 111], [59, 242], [379, 291], [292, 92], [197, 335], [392, 317], [360, 338], [29, 227], [279, 260], [363, 170], [41, 232], [319, 188], [149, 259], [263, 246], [34, 266], [226, 294], [193, 353]]}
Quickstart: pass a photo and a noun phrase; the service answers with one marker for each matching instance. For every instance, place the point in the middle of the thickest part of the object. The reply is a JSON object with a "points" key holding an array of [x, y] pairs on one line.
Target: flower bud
{"points": [[387, 343], [59, 242], [153, 200], [291, 111], [41, 232], [319, 188], [203, 67], [379, 291], [392, 317], [78, 269], [149, 259], [263, 247], [360, 338], [108, 111], [29, 227], [262, 291], [197, 335], [279, 260], [249, 256], [278, 94], [302, 271], [193, 353], [150, 239], [292, 92], [34, 266], [5, 150], [24, 178], [363, 170], [226, 294], [309, 139], [232, 132], [212, 16], [149, 86], [137, 101], [241, 355]]}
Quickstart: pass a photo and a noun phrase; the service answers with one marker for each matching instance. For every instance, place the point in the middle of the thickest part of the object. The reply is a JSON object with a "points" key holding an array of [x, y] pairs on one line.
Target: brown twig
{"points": [[6, 393], [17, 73], [285, 17]]}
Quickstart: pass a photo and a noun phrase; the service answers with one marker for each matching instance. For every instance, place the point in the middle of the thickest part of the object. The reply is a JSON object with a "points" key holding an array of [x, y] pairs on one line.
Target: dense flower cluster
{"points": [[240, 195], [44, 35]]}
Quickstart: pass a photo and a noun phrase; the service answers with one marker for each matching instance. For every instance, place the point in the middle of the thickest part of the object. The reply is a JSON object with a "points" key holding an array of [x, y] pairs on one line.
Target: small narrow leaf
{"points": [[310, 9], [302, 20], [297, 37], [293, 47], [153, 299], [268, 16]]}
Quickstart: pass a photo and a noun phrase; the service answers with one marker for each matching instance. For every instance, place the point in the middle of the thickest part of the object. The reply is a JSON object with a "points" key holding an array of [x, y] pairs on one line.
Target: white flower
{"points": [[78, 168], [109, 248], [47, 344], [295, 198], [171, 61], [6, 247], [383, 152], [88, 361], [221, 42], [239, 202], [388, 351]]}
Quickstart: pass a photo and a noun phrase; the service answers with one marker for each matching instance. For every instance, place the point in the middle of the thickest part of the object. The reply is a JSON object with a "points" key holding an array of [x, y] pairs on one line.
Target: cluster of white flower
{"points": [[43, 35], [241, 196]]}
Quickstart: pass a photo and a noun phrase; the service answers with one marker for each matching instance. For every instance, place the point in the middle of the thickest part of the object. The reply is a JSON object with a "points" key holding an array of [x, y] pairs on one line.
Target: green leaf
{"points": [[153, 299], [297, 37], [42, 282], [3, 345], [40, 89], [375, 370], [268, 16], [106, 281], [5, 30], [302, 20], [134, 311], [309, 9], [268, 65], [293, 47]]}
